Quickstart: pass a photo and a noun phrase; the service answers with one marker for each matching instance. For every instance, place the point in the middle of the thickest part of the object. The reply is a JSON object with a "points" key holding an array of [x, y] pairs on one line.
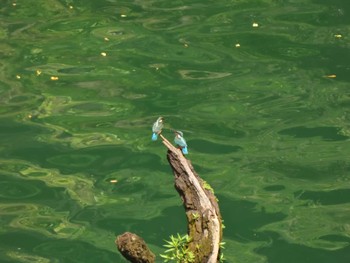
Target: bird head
{"points": [[179, 133]]}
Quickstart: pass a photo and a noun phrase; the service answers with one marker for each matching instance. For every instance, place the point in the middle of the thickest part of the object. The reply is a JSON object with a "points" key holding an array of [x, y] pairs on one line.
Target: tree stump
{"points": [[201, 207], [134, 248]]}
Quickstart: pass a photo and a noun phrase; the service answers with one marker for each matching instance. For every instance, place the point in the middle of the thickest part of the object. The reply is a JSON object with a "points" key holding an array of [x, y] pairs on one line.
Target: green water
{"points": [[264, 108]]}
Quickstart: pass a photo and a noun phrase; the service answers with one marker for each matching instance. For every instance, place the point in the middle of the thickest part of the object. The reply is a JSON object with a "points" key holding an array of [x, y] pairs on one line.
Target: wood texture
{"points": [[201, 207], [202, 211], [134, 248]]}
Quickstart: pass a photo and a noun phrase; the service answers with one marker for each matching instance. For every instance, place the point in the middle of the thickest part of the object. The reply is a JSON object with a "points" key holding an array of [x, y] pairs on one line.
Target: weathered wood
{"points": [[202, 211], [134, 248]]}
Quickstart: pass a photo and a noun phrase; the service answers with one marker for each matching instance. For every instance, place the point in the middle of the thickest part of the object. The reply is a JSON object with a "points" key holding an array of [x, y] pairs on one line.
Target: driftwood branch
{"points": [[202, 211], [201, 207]]}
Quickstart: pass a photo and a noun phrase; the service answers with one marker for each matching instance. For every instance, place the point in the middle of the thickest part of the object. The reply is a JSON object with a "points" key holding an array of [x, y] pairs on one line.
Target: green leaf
{"points": [[169, 245]]}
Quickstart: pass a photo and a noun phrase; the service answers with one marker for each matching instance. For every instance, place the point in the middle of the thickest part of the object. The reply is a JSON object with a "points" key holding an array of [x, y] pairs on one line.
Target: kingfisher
{"points": [[157, 128], [180, 141]]}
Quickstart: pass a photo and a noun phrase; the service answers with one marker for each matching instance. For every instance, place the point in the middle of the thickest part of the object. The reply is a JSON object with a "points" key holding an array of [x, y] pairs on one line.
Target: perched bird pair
{"points": [[179, 137]]}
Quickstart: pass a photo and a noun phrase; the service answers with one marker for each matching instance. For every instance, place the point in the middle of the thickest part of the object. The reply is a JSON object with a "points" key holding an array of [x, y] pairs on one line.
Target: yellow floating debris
{"points": [[54, 78], [338, 36], [332, 76], [185, 45], [113, 181], [70, 7], [106, 39], [14, 4], [255, 24], [122, 15], [38, 72], [237, 45], [103, 54], [18, 77]]}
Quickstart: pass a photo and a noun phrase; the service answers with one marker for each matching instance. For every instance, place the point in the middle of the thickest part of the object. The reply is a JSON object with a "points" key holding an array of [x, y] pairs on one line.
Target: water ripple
{"points": [[15, 189], [196, 74]]}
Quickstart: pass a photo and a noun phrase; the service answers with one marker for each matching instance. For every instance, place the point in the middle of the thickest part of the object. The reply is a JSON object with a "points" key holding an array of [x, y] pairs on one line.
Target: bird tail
{"points": [[154, 136], [184, 150]]}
